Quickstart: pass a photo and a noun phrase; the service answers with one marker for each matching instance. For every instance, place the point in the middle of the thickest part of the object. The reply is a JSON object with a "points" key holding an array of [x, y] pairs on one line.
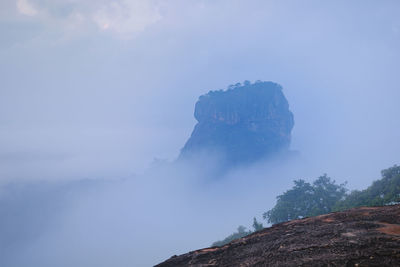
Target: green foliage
{"points": [[241, 232], [306, 199], [256, 225], [324, 196], [385, 191]]}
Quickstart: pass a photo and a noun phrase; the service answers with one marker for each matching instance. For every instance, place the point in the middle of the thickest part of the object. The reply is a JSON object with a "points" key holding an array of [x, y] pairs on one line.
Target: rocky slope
{"points": [[368, 236], [244, 123]]}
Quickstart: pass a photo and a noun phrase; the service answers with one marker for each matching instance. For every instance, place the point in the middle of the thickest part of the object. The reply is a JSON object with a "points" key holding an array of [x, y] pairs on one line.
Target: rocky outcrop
{"points": [[368, 236], [243, 123]]}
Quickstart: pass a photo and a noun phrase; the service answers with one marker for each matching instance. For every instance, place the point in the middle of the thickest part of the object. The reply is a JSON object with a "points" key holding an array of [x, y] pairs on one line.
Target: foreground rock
{"points": [[242, 124], [357, 237]]}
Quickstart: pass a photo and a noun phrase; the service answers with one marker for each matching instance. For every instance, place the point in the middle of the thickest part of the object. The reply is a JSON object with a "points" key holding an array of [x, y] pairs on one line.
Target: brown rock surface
{"points": [[367, 236]]}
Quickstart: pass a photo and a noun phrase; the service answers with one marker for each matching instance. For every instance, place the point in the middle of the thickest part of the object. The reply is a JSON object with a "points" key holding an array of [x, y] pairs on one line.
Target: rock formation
{"points": [[244, 123], [368, 236]]}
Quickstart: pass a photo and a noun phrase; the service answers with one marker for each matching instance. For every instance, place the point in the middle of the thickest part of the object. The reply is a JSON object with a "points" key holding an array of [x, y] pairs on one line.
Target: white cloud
{"points": [[126, 17], [121, 17], [26, 8]]}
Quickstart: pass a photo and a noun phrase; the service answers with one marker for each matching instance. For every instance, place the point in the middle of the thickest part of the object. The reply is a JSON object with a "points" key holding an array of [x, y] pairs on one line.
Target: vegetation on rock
{"points": [[367, 236], [241, 232], [385, 191], [324, 196], [305, 200]]}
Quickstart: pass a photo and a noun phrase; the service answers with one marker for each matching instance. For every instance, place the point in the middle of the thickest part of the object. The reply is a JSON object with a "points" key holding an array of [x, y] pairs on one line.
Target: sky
{"points": [[101, 89]]}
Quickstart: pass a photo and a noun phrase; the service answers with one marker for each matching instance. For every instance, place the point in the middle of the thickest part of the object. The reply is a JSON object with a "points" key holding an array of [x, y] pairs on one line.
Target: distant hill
{"points": [[242, 124], [368, 236]]}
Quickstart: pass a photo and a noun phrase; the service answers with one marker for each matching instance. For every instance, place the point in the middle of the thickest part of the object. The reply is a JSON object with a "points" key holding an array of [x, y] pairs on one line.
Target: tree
{"points": [[306, 199], [385, 191], [327, 193], [256, 225], [241, 232]]}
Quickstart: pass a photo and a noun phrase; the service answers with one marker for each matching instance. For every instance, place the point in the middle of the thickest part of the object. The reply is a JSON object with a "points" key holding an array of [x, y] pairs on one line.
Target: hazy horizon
{"points": [[99, 91]]}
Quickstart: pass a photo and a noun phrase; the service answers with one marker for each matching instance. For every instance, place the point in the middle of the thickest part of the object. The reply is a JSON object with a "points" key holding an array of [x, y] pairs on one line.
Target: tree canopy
{"points": [[385, 191], [323, 196], [306, 199]]}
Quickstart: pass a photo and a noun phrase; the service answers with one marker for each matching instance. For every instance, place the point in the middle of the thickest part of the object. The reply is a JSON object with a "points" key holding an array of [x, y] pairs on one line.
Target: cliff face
{"points": [[357, 237], [244, 123]]}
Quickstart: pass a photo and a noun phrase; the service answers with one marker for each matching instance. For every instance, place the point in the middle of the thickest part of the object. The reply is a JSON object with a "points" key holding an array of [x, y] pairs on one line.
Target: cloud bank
{"points": [[124, 18]]}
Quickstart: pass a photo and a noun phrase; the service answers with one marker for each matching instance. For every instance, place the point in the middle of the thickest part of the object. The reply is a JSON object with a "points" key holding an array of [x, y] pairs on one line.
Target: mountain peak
{"points": [[244, 123]]}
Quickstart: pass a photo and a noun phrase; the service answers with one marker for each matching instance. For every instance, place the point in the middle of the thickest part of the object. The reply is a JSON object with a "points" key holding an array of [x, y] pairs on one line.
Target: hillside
{"points": [[367, 236]]}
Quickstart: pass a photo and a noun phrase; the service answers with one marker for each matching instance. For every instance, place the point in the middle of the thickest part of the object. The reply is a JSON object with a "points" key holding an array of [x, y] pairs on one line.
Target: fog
{"points": [[97, 99]]}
